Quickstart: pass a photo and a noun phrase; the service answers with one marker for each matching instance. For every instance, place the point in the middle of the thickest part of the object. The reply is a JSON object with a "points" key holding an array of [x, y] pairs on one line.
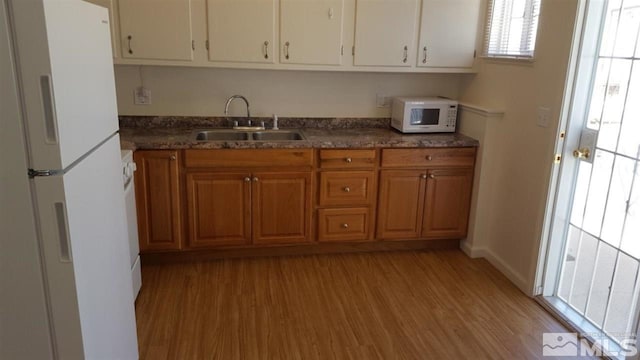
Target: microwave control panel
{"points": [[453, 114]]}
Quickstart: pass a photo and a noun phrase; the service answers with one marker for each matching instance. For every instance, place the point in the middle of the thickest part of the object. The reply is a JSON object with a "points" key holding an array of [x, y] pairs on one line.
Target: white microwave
{"points": [[424, 115]]}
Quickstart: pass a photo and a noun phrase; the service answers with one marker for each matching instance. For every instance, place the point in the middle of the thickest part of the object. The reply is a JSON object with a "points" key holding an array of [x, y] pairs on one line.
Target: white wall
{"points": [[203, 91], [521, 152]]}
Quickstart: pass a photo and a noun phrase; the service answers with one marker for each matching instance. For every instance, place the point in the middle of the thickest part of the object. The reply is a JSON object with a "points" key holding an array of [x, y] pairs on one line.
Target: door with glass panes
{"points": [[592, 270]]}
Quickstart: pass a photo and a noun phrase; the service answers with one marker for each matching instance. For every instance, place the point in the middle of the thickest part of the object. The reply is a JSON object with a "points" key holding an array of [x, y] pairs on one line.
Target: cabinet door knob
{"points": [[247, 179], [431, 176], [345, 226], [172, 157], [346, 189], [424, 176], [255, 179], [429, 157], [348, 160]]}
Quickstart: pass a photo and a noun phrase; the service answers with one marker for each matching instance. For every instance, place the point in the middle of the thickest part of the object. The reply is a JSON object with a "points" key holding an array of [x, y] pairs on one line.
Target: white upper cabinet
{"points": [[311, 31], [241, 30], [448, 33], [385, 32], [155, 29]]}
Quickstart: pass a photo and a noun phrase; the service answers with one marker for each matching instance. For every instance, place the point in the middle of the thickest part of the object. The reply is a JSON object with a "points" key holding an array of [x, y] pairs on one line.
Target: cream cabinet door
{"points": [[156, 29], [385, 32], [311, 31], [448, 33], [241, 30]]}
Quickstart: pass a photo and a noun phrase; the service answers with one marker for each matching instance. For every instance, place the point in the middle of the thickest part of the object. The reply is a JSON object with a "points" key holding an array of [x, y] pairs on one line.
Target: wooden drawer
{"points": [[248, 158], [347, 159], [343, 224], [347, 187], [428, 157]]}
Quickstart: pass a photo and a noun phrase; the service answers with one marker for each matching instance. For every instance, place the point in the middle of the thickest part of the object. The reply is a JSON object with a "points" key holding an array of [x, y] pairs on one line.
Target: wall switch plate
{"points": [[142, 96], [544, 116], [382, 101]]}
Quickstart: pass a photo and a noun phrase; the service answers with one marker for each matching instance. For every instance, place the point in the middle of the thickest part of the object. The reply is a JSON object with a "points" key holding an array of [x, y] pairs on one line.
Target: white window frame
{"points": [[528, 37]]}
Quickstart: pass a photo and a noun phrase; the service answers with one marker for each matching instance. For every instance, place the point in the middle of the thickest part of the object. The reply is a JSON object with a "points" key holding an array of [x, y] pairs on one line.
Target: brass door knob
{"points": [[348, 160], [345, 226], [583, 153], [247, 179], [346, 189]]}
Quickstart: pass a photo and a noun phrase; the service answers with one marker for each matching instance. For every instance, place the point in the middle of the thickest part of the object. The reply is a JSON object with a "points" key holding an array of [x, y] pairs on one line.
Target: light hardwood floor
{"points": [[393, 305]]}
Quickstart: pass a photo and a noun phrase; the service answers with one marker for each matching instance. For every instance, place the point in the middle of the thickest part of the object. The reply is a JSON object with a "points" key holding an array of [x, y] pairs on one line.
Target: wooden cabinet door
{"points": [[311, 31], [281, 207], [447, 203], [159, 30], [448, 33], [158, 199], [218, 209], [385, 32], [242, 31], [400, 204]]}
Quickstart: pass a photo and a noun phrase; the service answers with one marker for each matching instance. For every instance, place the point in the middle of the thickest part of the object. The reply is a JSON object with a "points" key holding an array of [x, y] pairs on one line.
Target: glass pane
{"points": [[598, 94], [584, 271], [569, 265], [617, 202], [580, 194], [602, 278], [630, 135], [598, 189], [623, 293], [611, 23], [615, 95], [627, 29], [631, 236]]}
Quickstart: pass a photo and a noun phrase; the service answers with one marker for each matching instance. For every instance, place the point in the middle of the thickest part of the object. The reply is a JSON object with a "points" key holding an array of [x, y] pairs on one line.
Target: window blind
{"points": [[511, 28]]}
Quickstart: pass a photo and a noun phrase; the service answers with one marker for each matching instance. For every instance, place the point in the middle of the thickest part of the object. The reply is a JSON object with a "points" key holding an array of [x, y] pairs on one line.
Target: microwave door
{"points": [[424, 117]]}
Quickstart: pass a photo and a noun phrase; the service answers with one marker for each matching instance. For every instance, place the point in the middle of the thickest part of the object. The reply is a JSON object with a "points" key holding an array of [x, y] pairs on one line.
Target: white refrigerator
{"points": [[65, 289]]}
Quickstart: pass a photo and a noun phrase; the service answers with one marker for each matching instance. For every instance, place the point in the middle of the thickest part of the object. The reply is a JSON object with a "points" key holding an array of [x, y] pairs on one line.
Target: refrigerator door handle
{"points": [[63, 232], [48, 104]]}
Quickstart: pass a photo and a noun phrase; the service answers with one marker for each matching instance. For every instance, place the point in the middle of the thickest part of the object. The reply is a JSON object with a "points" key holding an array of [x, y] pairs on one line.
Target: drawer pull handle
{"points": [[349, 160], [429, 157], [247, 179], [345, 226], [346, 189]]}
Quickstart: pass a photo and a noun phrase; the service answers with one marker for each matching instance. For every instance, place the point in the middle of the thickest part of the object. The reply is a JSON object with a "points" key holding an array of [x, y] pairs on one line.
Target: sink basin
{"points": [[235, 135], [221, 135], [277, 135]]}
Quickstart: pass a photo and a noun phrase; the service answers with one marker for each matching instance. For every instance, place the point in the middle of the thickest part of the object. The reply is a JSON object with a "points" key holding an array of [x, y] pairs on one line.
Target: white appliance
{"points": [[424, 114], [66, 277], [128, 168]]}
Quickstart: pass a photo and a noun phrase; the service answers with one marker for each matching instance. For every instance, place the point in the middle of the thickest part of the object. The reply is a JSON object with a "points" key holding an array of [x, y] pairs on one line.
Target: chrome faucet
{"points": [[229, 100]]}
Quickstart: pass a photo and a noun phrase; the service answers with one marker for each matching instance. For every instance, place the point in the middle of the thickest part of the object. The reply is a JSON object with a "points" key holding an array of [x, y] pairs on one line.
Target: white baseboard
{"points": [[516, 278]]}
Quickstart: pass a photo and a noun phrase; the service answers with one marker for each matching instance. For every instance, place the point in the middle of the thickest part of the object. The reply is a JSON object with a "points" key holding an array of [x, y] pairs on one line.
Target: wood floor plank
{"points": [[395, 305]]}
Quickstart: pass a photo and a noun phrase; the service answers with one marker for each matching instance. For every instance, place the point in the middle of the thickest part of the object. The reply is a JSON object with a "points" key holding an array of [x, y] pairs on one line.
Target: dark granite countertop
{"points": [[178, 132], [184, 138]]}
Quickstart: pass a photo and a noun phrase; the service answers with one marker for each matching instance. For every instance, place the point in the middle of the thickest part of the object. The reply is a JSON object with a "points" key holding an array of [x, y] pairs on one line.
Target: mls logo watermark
{"points": [[570, 344], [560, 344]]}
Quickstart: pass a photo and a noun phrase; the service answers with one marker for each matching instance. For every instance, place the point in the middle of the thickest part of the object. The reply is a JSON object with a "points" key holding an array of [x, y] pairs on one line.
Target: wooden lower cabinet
{"points": [[447, 201], [281, 207], [400, 204], [218, 209], [158, 200]]}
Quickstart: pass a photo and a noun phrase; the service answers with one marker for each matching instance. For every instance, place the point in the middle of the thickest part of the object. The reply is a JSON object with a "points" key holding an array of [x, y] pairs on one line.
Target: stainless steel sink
{"points": [[235, 135], [277, 135], [221, 135]]}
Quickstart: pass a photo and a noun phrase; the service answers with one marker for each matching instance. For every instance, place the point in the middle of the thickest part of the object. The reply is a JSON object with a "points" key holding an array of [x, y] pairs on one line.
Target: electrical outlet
{"points": [[544, 116], [382, 101], [142, 96]]}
